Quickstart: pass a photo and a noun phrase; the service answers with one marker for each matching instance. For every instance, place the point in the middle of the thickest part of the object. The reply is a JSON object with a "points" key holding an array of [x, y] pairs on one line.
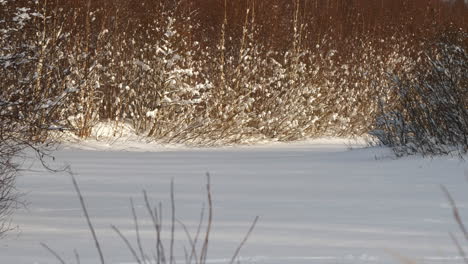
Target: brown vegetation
{"points": [[213, 71]]}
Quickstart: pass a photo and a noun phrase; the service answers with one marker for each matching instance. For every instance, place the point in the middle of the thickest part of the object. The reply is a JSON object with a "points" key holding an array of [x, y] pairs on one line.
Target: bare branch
{"points": [[88, 220]]}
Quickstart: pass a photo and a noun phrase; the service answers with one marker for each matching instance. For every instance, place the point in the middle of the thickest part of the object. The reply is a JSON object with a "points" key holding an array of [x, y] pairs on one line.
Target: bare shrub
{"points": [[8, 196], [31, 91], [195, 252], [429, 110], [221, 72]]}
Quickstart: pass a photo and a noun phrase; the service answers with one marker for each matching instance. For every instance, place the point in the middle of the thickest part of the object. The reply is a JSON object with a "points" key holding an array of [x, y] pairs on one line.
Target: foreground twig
{"points": [[57, 256], [244, 240], [171, 257], [90, 225], [157, 227], [459, 221], [204, 250], [77, 257], [129, 246], [137, 231], [199, 257], [455, 211], [459, 247]]}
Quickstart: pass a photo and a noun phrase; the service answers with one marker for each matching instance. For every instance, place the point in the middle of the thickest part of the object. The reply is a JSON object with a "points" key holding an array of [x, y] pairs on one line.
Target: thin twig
{"points": [[188, 259], [157, 227], [459, 247], [137, 230], [204, 251], [171, 257], [244, 240], [77, 256], [185, 255], [455, 211], [161, 245], [90, 225], [57, 256], [200, 223], [127, 243]]}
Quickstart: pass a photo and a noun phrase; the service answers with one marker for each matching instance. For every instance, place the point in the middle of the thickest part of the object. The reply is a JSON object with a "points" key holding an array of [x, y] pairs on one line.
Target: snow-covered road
{"points": [[318, 203]]}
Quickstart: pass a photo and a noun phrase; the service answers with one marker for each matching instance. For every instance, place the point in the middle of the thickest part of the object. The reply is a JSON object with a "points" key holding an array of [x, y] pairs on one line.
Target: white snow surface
{"points": [[319, 202]]}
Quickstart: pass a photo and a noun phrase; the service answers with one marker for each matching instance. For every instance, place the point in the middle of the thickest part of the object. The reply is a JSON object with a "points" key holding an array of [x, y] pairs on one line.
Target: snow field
{"points": [[318, 202]]}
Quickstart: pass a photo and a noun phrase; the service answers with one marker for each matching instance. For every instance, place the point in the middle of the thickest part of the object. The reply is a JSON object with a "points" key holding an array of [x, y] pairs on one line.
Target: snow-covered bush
{"points": [[173, 87], [354, 79], [84, 65], [152, 65], [8, 196], [34, 68], [429, 110], [32, 94], [151, 77]]}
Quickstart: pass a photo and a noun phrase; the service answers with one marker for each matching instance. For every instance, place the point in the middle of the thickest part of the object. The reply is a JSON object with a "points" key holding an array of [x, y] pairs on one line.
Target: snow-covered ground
{"points": [[318, 202]]}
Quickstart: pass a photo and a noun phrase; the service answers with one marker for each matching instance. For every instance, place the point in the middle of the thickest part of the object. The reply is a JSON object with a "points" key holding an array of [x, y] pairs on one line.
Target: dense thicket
{"points": [[213, 72], [428, 112]]}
